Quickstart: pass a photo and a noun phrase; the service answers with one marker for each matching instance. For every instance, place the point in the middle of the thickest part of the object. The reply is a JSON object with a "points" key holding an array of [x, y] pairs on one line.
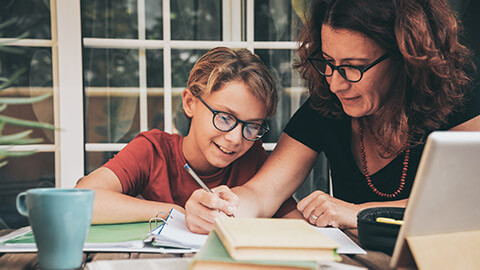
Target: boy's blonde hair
{"points": [[222, 65]]}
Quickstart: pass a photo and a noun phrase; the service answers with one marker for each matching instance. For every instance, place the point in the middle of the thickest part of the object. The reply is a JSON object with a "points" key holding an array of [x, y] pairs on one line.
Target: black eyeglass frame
{"points": [[263, 126], [361, 69]]}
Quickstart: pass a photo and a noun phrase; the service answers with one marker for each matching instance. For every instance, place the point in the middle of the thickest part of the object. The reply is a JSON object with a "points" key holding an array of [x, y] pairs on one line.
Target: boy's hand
{"points": [[203, 207]]}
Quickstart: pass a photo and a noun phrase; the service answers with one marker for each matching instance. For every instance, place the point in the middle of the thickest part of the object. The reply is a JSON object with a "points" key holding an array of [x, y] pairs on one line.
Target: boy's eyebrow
{"points": [[228, 110], [346, 59]]}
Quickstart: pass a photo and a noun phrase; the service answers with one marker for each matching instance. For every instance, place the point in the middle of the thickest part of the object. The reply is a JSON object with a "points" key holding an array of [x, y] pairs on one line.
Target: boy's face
{"points": [[205, 147]]}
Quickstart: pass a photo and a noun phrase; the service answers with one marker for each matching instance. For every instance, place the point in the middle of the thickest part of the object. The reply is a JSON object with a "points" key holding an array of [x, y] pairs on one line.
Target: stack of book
{"points": [[255, 243]]}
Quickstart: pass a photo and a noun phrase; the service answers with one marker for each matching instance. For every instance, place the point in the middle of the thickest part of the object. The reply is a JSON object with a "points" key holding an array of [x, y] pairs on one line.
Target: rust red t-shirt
{"points": [[151, 165]]}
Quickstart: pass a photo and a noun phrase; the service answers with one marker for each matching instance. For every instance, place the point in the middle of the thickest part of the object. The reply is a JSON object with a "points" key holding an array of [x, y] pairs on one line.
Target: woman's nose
{"points": [[337, 82]]}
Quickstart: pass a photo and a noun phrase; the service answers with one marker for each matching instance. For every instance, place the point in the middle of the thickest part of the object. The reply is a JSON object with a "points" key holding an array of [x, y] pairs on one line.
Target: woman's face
{"points": [[347, 47]]}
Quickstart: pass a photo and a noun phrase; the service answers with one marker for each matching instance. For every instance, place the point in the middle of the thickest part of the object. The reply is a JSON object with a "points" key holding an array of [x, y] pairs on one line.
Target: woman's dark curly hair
{"points": [[422, 38]]}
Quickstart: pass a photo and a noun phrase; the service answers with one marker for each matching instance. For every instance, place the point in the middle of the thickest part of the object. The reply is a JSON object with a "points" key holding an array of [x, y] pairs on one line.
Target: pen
{"points": [[198, 180], [389, 221]]}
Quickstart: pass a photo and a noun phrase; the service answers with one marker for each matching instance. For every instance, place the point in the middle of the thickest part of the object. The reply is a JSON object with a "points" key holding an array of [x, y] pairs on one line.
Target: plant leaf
{"points": [[12, 79], [10, 49], [19, 138], [20, 100], [17, 153], [3, 163], [25, 123]]}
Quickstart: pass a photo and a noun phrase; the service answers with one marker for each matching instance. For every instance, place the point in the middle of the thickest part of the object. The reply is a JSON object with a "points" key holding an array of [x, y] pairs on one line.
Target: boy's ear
{"points": [[189, 101]]}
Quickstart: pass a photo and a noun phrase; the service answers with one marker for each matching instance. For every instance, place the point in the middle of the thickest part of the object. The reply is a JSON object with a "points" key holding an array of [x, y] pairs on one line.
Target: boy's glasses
{"points": [[225, 122], [348, 72]]}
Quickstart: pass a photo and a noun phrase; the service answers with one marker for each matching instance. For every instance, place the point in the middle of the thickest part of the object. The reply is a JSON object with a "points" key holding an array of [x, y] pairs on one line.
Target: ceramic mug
{"points": [[60, 220]]}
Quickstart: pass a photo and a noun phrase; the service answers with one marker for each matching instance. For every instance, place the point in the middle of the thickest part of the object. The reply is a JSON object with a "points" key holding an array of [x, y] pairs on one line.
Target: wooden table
{"points": [[25, 261]]}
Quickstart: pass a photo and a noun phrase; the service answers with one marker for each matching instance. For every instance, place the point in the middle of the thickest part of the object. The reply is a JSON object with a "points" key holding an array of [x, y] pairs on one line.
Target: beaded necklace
{"points": [[363, 158]]}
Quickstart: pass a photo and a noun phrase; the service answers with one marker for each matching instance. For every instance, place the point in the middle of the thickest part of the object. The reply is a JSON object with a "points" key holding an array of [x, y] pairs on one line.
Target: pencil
{"points": [[198, 180], [195, 176]]}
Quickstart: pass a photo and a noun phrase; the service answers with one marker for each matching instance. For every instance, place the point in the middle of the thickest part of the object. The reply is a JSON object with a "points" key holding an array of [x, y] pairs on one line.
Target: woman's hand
{"points": [[323, 210], [203, 207]]}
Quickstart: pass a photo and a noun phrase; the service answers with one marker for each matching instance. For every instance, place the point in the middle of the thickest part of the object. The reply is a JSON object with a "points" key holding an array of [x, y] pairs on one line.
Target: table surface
{"points": [[25, 261]]}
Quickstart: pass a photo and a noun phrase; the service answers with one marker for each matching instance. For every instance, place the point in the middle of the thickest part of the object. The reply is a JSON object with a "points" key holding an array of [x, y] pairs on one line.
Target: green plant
{"points": [[22, 137]]}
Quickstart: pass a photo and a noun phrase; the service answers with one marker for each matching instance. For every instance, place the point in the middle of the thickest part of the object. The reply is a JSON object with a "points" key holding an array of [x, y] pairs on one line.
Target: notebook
{"points": [[442, 217], [174, 233], [274, 239]]}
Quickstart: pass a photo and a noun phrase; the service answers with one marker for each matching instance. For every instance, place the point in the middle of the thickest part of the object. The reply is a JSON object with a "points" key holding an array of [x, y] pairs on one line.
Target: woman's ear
{"points": [[189, 101]]}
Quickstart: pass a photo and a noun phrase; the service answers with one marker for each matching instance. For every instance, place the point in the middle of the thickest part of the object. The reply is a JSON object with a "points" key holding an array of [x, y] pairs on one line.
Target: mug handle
{"points": [[21, 205]]}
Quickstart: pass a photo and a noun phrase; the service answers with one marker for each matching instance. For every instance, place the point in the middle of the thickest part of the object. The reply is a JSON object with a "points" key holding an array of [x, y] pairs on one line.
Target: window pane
{"points": [[181, 124], [26, 16], [289, 87], [196, 20], [182, 64], [111, 67], [40, 173], [35, 80], [276, 20], [153, 19], [111, 108], [109, 19], [95, 160], [155, 91], [154, 68]]}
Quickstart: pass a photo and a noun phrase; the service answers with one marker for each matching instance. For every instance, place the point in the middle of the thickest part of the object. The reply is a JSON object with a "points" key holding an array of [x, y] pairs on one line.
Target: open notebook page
{"points": [[175, 231]]}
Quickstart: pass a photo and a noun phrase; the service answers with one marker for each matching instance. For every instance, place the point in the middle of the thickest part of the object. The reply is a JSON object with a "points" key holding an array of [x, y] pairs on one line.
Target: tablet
{"points": [[445, 196]]}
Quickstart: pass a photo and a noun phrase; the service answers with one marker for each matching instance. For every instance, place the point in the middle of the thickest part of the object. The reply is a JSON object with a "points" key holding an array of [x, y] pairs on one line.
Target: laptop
{"points": [[442, 217]]}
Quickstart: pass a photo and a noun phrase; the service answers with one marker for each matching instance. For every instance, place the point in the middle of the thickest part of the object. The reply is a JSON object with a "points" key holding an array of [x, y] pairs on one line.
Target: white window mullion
{"points": [[232, 20], [167, 68], [142, 66], [69, 158], [250, 24], [226, 20]]}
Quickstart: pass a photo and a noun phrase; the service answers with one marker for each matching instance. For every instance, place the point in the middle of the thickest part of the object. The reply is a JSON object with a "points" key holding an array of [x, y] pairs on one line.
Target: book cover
{"points": [[274, 239], [213, 255]]}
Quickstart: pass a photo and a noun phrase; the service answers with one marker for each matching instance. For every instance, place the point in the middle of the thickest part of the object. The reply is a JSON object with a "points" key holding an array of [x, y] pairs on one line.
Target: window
{"points": [[116, 68]]}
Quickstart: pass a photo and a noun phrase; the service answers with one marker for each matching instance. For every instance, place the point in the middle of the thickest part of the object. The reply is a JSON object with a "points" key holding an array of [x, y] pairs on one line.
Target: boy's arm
{"points": [[112, 206]]}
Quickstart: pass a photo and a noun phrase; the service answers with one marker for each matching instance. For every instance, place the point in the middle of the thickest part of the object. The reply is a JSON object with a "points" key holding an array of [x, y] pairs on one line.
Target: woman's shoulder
{"points": [[470, 108]]}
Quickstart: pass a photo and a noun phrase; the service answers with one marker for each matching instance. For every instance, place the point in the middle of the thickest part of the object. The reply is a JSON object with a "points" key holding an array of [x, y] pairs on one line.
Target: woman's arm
{"points": [[279, 177], [323, 210], [281, 174], [470, 125], [111, 206]]}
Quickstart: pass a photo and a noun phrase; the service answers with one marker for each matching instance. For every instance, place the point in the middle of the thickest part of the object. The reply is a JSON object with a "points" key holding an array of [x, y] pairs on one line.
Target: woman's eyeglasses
{"points": [[225, 122], [350, 73]]}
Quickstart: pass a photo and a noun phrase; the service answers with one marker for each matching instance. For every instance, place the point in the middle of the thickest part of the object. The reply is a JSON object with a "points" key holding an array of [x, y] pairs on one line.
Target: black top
{"points": [[334, 138]]}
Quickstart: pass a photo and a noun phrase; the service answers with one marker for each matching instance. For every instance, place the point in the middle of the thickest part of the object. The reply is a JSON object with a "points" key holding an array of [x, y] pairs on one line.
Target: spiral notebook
{"points": [[174, 233]]}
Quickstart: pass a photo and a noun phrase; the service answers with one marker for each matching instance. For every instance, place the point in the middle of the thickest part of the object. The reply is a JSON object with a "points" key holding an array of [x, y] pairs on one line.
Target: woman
{"points": [[382, 75]]}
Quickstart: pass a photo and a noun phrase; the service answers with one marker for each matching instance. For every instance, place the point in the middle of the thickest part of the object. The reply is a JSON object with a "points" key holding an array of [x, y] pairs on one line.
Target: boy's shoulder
{"points": [[160, 138]]}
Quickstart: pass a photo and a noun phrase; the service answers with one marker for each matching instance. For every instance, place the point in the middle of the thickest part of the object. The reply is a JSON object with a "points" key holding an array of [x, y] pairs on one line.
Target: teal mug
{"points": [[60, 220]]}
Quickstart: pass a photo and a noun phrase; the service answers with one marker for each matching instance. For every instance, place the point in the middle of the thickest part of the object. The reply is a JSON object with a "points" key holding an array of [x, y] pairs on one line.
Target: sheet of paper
{"points": [[175, 230], [101, 238], [347, 246]]}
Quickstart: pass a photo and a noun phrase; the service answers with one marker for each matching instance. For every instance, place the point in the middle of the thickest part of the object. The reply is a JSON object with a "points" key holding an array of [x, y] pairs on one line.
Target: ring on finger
{"points": [[314, 217]]}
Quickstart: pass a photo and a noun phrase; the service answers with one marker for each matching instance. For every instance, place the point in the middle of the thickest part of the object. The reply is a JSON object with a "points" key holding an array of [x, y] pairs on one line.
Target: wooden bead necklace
{"points": [[363, 158], [385, 149]]}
